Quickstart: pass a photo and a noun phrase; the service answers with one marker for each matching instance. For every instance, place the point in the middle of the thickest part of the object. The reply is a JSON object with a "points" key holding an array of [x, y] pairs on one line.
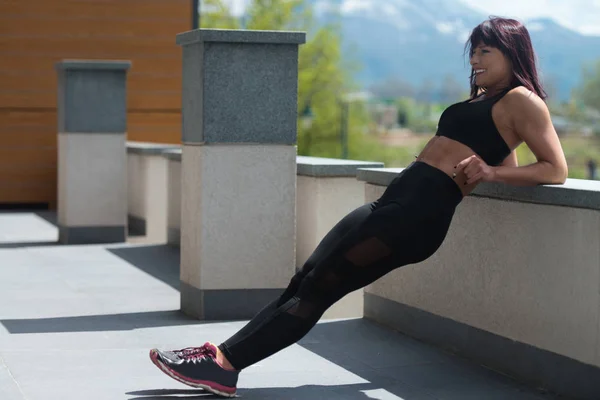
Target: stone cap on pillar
{"points": [[92, 96], [240, 86], [93, 64], [240, 36]]}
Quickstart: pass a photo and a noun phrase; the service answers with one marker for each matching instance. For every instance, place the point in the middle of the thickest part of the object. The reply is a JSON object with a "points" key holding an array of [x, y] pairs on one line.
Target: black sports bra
{"points": [[471, 124]]}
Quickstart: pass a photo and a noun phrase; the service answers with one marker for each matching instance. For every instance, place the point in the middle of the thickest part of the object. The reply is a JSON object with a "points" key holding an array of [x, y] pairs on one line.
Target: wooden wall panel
{"points": [[36, 34], [28, 192], [155, 127], [136, 81], [43, 26], [108, 9], [31, 63]]}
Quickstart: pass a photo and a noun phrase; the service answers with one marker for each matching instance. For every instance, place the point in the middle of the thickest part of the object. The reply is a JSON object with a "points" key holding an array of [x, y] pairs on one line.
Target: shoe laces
{"points": [[192, 354]]}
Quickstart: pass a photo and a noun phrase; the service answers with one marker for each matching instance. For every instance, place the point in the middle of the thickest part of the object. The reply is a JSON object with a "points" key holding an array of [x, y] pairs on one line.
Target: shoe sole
{"points": [[167, 371]]}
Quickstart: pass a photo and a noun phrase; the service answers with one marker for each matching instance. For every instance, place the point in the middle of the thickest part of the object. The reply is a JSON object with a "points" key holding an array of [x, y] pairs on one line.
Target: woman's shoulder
{"points": [[522, 101], [520, 95]]}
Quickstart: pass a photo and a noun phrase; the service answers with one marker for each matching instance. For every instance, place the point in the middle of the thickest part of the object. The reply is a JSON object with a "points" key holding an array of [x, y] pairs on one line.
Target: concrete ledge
{"points": [[91, 234], [93, 64], [136, 225], [240, 36], [331, 167], [543, 368], [235, 304], [306, 166], [577, 193], [150, 149], [173, 154]]}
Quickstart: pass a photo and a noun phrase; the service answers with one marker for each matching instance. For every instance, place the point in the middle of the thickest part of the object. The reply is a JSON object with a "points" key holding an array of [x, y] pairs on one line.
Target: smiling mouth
{"points": [[479, 71]]}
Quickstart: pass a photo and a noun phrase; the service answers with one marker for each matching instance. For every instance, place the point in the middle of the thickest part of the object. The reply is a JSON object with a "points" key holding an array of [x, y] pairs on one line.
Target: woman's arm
{"points": [[511, 160], [532, 122]]}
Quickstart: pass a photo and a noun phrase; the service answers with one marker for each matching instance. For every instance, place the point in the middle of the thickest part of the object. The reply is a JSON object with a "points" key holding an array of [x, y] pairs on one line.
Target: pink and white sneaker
{"points": [[197, 367]]}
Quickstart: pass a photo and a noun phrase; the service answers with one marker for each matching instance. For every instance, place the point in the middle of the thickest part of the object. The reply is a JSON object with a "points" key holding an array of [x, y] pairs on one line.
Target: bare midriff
{"points": [[444, 153]]}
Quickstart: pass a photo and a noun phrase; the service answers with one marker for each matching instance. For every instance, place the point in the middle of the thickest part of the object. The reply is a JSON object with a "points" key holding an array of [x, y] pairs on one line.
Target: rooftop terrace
{"points": [[77, 321]]}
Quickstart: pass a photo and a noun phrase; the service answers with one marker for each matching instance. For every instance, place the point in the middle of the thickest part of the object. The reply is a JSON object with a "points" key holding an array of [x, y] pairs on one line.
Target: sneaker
{"points": [[197, 367]]}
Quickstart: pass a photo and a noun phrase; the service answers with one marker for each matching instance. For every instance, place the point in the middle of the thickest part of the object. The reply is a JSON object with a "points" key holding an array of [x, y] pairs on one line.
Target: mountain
{"points": [[422, 42]]}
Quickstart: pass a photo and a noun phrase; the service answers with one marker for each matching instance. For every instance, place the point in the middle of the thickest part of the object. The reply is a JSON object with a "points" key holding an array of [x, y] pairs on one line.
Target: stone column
{"points": [[240, 94], [92, 158]]}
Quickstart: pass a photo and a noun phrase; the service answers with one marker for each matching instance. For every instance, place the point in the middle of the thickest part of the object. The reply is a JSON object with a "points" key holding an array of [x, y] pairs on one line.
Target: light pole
{"points": [[345, 106], [344, 102], [195, 14], [307, 117]]}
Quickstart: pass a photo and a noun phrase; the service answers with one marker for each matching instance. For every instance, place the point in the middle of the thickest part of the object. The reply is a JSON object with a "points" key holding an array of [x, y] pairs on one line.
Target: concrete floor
{"points": [[76, 322]]}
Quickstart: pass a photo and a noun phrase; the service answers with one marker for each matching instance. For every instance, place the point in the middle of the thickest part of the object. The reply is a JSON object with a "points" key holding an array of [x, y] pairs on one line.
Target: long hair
{"points": [[513, 40]]}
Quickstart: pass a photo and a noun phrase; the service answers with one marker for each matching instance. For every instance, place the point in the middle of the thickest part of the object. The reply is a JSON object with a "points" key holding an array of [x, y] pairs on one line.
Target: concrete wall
{"points": [[173, 196], [92, 181], [521, 264], [327, 190], [81, 191], [147, 196]]}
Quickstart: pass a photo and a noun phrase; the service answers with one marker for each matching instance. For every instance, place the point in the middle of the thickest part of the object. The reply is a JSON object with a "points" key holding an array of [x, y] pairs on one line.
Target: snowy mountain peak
{"points": [[447, 17]]}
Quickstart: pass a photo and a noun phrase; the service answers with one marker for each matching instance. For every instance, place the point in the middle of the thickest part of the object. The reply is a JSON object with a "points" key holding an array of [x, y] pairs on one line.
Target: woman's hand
{"points": [[476, 170]]}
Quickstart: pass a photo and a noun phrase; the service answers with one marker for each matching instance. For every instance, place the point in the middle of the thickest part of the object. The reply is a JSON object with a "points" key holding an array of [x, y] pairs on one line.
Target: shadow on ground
{"points": [[172, 394], [159, 261], [394, 366], [50, 216], [98, 323], [18, 245], [306, 392]]}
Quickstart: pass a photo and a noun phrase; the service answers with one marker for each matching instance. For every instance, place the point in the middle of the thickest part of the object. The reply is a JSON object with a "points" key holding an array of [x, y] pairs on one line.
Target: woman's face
{"points": [[492, 68]]}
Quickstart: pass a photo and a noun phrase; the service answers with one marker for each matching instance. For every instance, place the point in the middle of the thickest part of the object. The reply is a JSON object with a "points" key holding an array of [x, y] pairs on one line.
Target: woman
{"points": [[474, 143]]}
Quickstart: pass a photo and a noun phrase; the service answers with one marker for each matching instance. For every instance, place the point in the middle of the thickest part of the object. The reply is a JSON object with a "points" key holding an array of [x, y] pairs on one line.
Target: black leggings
{"points": [[406, 225]]}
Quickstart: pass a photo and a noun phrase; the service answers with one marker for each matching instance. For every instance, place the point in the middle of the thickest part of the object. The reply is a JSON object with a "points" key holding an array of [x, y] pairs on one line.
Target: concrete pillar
{"points": [[327, 190], [173, 197], [147, 190], [92, 160], [240, 93]]}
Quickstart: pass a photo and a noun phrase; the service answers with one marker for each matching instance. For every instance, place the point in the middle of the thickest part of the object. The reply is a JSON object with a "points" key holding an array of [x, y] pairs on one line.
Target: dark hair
{"points": [[513, 40]]}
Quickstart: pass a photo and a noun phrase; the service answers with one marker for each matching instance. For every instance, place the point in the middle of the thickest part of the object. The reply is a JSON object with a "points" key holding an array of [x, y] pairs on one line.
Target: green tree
{"points": [[589, 91], [325, 76], [216, 14]]}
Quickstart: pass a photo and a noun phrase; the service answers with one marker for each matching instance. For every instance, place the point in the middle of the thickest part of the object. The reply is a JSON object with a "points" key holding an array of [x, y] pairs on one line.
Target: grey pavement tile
{"points": [[375, 345], [165, 394], [358, 367], [78, 322], [388, 392], [9, 389], [304, 392], [255, 379], [26, 227], [478, 390], [13, 260], [434, 376], [172, 331], [124, 388], [297, 366]]}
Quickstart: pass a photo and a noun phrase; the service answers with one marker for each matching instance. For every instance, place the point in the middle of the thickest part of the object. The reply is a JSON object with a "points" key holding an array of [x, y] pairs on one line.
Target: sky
{"points": [[579, 15]]}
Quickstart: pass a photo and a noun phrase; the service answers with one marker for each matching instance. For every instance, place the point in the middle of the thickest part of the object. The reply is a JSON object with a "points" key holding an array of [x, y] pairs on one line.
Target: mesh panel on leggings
{"points": [[327, 287], [367, 252]]}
